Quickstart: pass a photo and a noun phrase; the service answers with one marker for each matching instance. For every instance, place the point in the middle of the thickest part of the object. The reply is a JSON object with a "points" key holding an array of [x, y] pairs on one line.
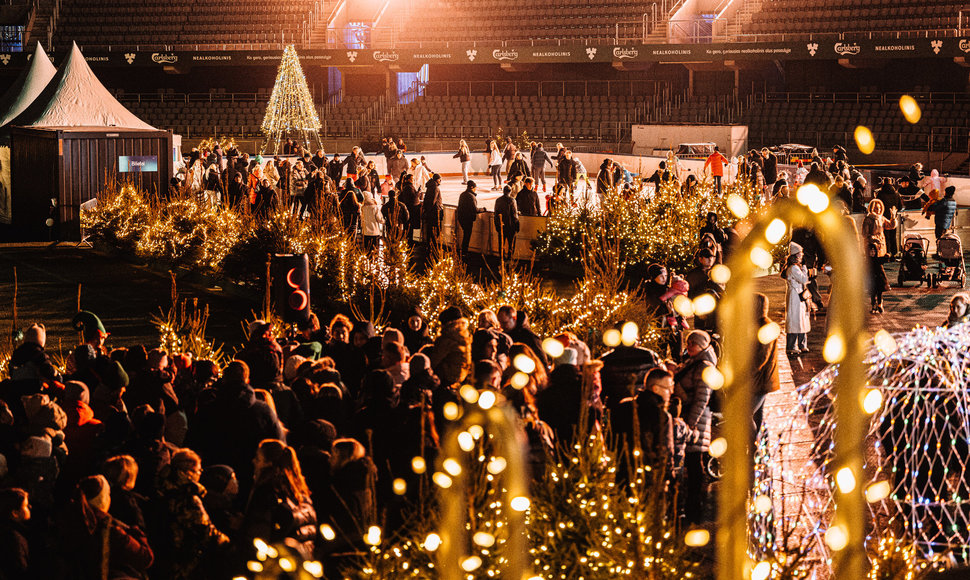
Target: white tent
{"points": [[76, 98], [27, 87]]}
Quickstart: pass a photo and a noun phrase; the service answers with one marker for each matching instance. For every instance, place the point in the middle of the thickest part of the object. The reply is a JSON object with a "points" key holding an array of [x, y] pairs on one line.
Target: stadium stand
{"points": [[580, 118], [821, 119], [598, 118], [528, 20], [166, 23], [238, 114], [790, 17]]}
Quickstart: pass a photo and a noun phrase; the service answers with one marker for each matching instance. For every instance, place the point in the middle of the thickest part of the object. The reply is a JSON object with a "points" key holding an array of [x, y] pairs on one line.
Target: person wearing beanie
{"points": [[397, 217], [97, 545], [654, 288], [30, 361], [699, 282], [81, 432], [467, 214], [222, 488]]}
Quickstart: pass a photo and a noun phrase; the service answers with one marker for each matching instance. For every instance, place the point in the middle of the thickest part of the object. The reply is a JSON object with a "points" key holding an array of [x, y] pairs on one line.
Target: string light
{"points": [[917, 405], [864, 139], [291, 106], [910, 109]]}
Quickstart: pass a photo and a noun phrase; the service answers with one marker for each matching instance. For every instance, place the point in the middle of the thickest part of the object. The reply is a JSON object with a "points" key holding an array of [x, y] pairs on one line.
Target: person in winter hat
{"points": [[30, 360], [91, 328]]}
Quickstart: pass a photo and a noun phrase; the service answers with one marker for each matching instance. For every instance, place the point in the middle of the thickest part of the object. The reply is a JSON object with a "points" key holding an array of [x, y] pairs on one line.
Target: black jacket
{"points": [[433, 208], [395, 214], [567, 170], [518, 167], [770, 169], [468, 209], [335, 169], [528, 202], [409, 197], [506, 216]]}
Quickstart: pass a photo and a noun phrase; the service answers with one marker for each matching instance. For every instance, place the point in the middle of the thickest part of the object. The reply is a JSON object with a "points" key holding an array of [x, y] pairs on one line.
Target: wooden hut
{"points": [[69, 144]]}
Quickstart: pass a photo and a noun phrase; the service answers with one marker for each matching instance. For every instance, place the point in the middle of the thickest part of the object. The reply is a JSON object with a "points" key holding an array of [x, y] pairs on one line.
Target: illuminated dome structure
{"points": [[918, 447]]}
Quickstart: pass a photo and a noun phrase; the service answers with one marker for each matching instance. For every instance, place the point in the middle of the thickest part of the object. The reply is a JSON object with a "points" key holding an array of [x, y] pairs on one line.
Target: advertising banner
{"points": [[476, 53]]}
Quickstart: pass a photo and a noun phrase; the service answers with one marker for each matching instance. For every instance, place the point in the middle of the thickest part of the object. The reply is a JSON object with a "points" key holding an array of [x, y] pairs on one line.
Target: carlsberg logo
{"points": [[965, 45], [499, 54], [619, 52], [844, 48], [385, 56]]}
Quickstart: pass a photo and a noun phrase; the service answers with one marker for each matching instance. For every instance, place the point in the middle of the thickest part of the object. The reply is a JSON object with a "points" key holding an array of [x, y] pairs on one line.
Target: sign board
{"points": [[133, 164]]}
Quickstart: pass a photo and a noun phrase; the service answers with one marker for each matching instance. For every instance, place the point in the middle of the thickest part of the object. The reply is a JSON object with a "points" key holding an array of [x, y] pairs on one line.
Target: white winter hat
{"points": [[36, 334], [794, 248]]}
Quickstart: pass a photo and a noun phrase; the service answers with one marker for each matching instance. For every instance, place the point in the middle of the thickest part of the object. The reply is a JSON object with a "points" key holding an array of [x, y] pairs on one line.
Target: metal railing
{"points": [[937, 97], [938, 140], [211, 97], [603, 131], [699, 31], [643, 88]]}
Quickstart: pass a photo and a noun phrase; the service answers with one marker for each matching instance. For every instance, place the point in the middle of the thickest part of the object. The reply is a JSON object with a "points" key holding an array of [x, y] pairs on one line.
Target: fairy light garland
{"points": [[663, 228], [290, 106], [844, 534], [917, 440]]}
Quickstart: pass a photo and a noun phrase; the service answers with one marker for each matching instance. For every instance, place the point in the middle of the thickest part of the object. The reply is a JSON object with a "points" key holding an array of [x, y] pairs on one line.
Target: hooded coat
{"points": [[796, 313]]}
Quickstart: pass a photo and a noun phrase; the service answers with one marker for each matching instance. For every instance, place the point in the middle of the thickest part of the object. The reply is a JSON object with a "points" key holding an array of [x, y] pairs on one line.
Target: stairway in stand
{"points": [[37, 27], [742, 17]]}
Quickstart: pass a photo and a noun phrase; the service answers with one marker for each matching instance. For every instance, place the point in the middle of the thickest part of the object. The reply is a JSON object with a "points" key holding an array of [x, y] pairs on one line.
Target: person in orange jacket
{"points": [[716, 162]]}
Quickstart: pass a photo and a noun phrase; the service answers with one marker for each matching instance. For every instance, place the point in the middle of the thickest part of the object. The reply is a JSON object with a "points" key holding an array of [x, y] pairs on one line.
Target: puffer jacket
{"points": [[183, 534], [274, 516], [694, 392], [944, 211]]}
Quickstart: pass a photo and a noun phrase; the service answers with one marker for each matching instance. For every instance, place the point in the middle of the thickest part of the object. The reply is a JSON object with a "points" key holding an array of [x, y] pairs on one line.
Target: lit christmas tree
{"points": [[290, 112]]}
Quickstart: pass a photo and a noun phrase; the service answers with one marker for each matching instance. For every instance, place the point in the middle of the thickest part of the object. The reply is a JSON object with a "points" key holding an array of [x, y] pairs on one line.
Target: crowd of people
{"points": [[407, 200], [137, 463]]}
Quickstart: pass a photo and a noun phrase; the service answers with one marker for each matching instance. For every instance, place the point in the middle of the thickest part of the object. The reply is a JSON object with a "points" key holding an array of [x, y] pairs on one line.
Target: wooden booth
{"points": [[56, 169]]}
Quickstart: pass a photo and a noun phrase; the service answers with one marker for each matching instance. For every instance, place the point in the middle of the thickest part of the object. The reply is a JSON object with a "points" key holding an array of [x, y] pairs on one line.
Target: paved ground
{"points": [[793, 489], [123, 294]]}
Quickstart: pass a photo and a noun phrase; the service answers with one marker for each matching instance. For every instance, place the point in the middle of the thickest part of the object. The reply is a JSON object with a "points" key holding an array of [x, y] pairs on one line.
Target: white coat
{"points": [[371, 220], [796, 312]]}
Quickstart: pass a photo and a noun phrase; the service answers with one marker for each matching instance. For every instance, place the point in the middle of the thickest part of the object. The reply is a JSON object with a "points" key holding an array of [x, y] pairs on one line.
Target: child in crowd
{"points": [[681, 433], [878, 282]]}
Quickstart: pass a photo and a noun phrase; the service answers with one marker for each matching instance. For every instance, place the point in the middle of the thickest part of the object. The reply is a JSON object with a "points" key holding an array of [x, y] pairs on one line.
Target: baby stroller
{"points": [[913, 265], [949, 251]]}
